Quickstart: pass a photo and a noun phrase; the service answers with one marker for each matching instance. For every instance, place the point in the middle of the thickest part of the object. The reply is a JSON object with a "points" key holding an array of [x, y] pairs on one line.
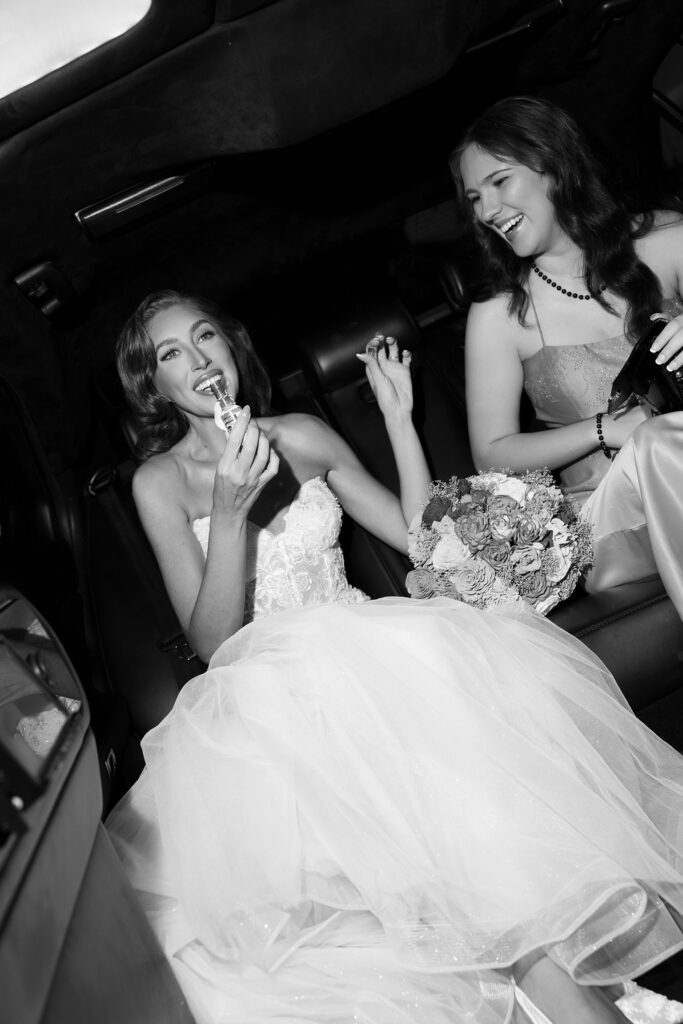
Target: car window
{"points": [[39, 36]]}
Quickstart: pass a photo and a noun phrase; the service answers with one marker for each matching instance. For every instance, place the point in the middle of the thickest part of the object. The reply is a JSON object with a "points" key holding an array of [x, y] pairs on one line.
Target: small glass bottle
{"points": [[228, 409]]}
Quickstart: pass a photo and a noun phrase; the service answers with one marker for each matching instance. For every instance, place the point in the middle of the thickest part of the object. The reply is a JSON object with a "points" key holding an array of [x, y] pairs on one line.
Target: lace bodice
{"points": [[302, 564]]}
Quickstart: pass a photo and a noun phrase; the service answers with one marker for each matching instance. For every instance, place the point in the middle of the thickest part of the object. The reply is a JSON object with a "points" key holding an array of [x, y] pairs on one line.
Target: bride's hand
{"points": [[247, 464], [388, 372]]}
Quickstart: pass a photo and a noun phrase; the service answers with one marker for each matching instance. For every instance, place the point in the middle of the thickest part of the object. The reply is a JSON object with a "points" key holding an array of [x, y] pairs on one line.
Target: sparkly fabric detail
{"points": [[300, 566], [569, 381]]}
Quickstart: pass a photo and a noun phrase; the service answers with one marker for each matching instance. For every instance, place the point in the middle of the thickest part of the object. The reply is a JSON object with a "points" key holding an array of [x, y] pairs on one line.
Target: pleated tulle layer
{"points": [[371, 812]]}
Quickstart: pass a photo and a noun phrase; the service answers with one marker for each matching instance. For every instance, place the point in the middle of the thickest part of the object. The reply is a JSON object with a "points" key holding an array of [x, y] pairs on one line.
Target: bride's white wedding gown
{"points": [[368, 811]]}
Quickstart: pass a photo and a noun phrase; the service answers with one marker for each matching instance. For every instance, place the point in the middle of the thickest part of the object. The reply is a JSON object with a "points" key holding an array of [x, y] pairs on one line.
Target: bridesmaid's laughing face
{"points": [[512, 200], [189, 348]]}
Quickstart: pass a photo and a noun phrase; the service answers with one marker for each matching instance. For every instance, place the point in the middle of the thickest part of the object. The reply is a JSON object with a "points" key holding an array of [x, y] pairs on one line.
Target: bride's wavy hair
{"points": [[542, 136], [160, 423]]}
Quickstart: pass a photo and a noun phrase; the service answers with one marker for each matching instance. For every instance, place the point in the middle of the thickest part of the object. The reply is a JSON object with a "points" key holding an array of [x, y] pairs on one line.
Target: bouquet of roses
{"points": [[496, 538]]}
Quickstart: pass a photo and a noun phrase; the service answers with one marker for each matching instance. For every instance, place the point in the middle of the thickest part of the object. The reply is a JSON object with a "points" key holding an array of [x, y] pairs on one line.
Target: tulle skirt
{"points": [[369, 813]]}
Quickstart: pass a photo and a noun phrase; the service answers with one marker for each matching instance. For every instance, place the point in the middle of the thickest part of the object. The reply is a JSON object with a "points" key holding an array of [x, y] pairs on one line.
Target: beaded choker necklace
{"points": [[565, 291]]}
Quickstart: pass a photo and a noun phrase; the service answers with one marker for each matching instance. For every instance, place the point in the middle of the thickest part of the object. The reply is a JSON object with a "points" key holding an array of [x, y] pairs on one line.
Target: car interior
{"points": [[288, 159]]}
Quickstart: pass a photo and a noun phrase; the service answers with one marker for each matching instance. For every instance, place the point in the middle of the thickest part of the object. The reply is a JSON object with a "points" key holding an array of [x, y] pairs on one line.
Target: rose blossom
{"points": [[479, 495], [473, 579], [556, 565], [420, 583], [528, 528], [534, 585], [443, 526], [526, 560], [514, 488], [561, 534], [503, 526], [473, 529], [496, 553], [502, 503], [449, 551]]}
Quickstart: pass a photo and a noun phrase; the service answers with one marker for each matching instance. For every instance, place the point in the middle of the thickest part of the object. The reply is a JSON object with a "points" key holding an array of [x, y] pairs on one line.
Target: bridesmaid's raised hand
{"points": [[247, 464]]}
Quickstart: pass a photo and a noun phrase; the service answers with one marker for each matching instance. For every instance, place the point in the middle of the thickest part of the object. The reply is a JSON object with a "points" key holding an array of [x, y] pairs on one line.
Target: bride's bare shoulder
{"points": [[306, 441], [158, 479], [292, 427], [299, 436]]}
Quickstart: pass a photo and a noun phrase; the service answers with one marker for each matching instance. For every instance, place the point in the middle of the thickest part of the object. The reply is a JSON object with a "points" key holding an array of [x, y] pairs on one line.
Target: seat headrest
{"points": [[331, 350]]}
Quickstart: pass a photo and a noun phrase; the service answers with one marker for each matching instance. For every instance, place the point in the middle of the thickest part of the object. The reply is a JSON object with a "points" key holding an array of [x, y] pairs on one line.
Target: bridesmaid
{"points": [[577, 277]]}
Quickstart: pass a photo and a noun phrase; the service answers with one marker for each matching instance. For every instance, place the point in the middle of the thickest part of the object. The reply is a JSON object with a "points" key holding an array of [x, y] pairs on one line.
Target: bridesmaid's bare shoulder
{"points": [[661, 249]]}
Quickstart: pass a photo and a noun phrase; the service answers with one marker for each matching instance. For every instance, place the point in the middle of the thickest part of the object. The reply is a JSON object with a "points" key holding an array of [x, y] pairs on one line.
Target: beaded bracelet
{"points": [[598, 426]]}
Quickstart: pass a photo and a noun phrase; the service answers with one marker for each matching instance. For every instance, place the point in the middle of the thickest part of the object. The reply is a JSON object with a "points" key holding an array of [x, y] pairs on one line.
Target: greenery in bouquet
{"points": [[499, 538]]}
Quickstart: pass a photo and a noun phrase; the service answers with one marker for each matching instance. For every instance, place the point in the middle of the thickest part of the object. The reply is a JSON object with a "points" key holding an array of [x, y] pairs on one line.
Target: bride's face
{"points": [[512, 200], [189, 348]]}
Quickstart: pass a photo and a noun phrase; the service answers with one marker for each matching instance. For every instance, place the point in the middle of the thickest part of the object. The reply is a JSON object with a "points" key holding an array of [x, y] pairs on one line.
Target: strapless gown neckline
{"points": [[300, 565], [313, 483]]}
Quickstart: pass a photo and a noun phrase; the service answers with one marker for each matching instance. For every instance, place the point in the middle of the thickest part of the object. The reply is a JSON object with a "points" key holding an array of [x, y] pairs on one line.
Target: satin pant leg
{"points": [[637, 511]]}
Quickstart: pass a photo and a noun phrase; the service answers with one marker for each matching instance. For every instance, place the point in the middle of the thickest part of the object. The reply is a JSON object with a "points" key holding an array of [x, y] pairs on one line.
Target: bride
{"points": [[379, 811]]}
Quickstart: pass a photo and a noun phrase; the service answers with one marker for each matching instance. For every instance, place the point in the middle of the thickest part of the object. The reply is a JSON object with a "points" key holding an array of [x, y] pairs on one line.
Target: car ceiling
{"points": [[302, 135]]}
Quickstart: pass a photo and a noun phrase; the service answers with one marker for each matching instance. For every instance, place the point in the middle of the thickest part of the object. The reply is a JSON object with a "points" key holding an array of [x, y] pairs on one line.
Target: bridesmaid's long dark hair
{"points": [[544, 137], [160, 424]]}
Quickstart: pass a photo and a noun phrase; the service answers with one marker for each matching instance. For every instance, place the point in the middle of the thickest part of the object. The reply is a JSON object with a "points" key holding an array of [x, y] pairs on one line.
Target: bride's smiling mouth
{"points": [[203, 385]]}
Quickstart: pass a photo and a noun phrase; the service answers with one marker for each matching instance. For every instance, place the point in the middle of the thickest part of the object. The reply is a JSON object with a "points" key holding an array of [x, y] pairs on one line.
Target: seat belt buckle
{"points": [[178, 645]]}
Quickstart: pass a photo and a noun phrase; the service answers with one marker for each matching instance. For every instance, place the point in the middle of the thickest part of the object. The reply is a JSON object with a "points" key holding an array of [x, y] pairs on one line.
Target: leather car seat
{"points": [[146, 655]]}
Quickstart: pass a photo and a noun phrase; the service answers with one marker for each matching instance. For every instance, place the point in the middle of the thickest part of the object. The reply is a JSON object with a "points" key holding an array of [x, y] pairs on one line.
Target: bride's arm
{"points": [[207, 595], [388, 372], [367, 501]]}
